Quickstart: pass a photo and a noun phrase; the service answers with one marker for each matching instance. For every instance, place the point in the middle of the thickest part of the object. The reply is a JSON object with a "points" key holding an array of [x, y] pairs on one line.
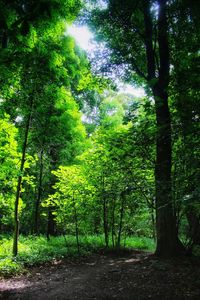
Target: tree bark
{"points": [[105, 214], [194, 226], [76, 225], [18, 192], [50, 224], [38, 200], [113, 221], [167, 238], [123, 198]]}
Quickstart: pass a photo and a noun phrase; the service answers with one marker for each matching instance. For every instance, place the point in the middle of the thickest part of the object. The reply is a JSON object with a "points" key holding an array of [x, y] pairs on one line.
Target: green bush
{"points": [[9, 267]]}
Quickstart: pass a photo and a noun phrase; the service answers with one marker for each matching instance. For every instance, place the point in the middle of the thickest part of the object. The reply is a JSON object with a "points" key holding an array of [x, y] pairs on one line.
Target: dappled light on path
{"points": [[14, 285], [133, 275]]}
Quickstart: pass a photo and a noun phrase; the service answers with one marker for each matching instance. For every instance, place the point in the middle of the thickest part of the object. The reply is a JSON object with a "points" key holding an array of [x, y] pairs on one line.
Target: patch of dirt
{"points": [[134, 275]]}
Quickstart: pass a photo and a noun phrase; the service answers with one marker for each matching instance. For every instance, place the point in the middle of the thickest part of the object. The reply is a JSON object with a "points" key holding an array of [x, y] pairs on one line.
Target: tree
{"points": [[184, 93], [72, 199], [21, 18], [118, 164], [9, 158], [43, 47], [139, 43]]}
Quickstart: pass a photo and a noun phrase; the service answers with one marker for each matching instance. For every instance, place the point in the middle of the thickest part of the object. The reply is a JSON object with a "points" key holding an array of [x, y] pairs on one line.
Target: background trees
{"points": [[37, 94], [142, 44], [109, 190]]}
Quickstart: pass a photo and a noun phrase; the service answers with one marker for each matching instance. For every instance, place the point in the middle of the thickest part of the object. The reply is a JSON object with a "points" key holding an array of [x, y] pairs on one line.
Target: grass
{"points": [[36, 250], [142, 243]]}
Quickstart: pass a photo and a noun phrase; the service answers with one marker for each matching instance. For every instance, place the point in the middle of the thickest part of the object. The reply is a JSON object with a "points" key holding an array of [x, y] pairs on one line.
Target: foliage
{"points": [[102, 192], [72, 199], [157, 43], [80, 159], [37, 250], [9, 158]]}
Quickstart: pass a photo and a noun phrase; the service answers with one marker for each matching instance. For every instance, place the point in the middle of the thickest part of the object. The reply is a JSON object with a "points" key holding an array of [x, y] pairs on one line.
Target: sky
{"points": [[85, 39], [82, 36]]}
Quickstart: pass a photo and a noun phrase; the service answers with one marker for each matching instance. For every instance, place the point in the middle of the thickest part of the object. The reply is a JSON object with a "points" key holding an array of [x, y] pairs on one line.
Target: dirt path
{"points": [[136, 275]]}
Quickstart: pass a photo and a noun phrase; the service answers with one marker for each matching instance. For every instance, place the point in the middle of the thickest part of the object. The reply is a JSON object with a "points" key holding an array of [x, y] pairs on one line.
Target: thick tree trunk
{"points": [[167, 239]]}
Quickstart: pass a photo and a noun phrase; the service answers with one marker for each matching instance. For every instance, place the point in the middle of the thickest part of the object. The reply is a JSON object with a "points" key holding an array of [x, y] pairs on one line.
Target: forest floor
{"points": [[128, 275]]}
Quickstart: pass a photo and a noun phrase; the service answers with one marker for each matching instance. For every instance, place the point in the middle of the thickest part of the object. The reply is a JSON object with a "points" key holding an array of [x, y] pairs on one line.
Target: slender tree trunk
{"points": [[105, 221], [76, 226], [105, 213], [153, 224], [50, 223], [123, 198], [38, 200], [18, 192], [97, 223], [113, 222]]}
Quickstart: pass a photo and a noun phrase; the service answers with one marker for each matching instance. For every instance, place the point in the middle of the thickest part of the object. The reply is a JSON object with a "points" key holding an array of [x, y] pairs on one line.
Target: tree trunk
{"points": [[123, 198], [113, 221], [194, 226], [105, 213], [18, 192], [105, 222], [153, 224], [166, 231], [167, 239], [76, 225], [50, 224], [38, 200]]}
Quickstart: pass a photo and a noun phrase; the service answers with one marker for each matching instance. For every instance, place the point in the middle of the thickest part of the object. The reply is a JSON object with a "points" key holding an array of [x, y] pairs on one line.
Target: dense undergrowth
{"points": [[35, 250]]}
